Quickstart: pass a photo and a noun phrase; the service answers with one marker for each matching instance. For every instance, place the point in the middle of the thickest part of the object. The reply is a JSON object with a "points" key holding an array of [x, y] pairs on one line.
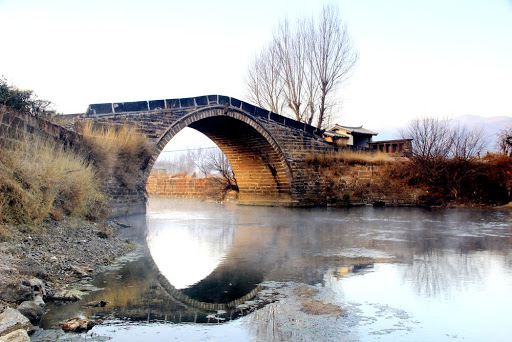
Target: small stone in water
{"points": [[77, 324]]}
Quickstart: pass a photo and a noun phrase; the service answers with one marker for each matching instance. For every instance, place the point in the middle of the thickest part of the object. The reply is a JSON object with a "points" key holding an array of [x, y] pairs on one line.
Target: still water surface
{"points": [[398, 274]]}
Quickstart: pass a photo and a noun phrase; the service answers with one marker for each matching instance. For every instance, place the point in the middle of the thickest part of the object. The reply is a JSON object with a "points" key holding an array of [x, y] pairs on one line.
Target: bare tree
{"points": [[443, 156], [441, 138], [431, 138], [334, 56], [218, 164], [504, 142], [198, 158], [263, 80], [467, 143], [300, 71]]}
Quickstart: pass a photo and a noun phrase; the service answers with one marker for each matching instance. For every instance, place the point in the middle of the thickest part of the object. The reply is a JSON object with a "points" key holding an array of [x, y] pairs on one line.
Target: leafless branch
{"points": [[300, 71]]}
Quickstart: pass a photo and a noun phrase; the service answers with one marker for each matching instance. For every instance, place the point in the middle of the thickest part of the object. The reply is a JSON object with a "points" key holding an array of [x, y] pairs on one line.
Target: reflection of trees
{"points": [[438, 272], [450, 248]]}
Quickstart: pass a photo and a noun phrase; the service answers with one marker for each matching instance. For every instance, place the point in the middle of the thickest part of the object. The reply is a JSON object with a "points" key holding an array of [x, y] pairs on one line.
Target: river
{"points": [[388, 274]]}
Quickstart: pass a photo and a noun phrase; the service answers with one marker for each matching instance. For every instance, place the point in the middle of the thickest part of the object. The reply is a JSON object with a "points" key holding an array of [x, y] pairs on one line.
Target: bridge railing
{"points": [[101, 109]]}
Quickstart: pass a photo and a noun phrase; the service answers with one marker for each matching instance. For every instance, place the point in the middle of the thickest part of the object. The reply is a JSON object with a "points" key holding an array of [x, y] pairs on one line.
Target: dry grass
{"points": [[38, 177], [315, 307], [305, 291], [350, 157], [116, 150]]}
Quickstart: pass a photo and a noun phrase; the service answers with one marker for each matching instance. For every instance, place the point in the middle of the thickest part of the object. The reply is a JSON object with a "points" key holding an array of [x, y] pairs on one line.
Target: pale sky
{"points": [[417, 58]]}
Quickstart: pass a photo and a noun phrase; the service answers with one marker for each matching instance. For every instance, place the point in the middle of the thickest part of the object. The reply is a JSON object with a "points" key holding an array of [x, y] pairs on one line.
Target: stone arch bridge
{"points": [[267, 151]]}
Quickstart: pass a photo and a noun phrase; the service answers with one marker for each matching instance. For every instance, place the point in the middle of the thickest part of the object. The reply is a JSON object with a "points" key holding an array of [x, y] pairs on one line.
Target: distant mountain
{"points": [[491, 127]]}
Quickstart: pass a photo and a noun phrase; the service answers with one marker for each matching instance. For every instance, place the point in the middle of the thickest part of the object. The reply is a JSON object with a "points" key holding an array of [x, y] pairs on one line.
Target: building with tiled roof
{"points": [[349, 136]]}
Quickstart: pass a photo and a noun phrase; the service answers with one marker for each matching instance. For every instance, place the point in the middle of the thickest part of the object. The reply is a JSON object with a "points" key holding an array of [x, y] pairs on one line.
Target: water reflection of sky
{"points": [[187, 246]]}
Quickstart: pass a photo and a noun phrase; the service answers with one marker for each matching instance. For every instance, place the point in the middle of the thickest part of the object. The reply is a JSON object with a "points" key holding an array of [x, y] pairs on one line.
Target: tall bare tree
{"points": [[263, 81], [300, 71], [292, 49], [334, 56]]}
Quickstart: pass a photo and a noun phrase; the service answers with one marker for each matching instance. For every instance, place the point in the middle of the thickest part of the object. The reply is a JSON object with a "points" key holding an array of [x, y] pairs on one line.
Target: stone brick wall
{"points": [[169, 186], [15, 124], [365, 184], [307, 182]]}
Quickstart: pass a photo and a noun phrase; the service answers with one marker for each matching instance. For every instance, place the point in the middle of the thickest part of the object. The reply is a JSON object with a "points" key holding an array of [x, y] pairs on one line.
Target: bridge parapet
{"points": [[107, 109]]}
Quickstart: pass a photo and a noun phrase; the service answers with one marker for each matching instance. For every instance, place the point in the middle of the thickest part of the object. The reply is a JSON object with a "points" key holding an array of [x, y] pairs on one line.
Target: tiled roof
{"points": [[335, 134], [357, 130]]}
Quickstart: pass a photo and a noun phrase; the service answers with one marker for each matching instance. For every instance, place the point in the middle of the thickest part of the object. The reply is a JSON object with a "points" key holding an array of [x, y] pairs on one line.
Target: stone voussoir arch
{"points": [[259, 162]]}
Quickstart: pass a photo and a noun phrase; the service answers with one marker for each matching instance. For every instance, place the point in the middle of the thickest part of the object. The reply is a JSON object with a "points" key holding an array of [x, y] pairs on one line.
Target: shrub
{"points": [[459, 181], [23, 100]]}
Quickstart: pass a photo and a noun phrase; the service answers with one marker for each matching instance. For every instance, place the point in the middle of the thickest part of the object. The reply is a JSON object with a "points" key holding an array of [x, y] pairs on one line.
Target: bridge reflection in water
{"points": [[199, 258]]}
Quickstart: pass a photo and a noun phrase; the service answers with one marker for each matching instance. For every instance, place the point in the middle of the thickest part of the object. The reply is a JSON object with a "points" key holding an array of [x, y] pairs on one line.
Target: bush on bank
{"points": [[485, 181], [24, 100], [444, 181]]}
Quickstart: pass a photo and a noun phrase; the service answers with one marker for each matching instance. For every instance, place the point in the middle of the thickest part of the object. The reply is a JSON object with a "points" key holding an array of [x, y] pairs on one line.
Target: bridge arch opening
{"points": [[260, 166]]}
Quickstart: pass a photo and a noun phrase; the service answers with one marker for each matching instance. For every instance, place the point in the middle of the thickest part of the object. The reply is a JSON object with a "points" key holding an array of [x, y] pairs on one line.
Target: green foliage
{"points": [[23, 100]]}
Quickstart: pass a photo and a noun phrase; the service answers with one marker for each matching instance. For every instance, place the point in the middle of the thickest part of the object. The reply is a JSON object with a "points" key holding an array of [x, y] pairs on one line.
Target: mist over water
{"points": [[403, 274]]}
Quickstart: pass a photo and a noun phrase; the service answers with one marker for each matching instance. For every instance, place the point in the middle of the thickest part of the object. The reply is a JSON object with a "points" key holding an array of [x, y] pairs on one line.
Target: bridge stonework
{"points": [[267, 151]]}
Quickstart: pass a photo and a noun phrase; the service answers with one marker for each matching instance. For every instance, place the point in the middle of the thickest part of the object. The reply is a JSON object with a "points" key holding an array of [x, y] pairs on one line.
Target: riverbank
{"points": [[42, 261]]}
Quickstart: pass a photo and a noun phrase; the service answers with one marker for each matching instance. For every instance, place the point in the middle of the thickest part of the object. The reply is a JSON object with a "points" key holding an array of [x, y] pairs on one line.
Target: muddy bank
{"points": [[47, 258]]}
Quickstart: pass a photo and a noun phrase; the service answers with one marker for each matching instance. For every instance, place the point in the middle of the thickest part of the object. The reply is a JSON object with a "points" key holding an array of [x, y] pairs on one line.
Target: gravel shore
{"points": [[55, 252]]}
